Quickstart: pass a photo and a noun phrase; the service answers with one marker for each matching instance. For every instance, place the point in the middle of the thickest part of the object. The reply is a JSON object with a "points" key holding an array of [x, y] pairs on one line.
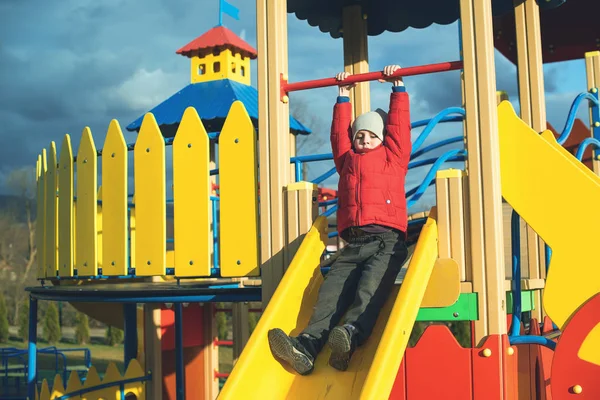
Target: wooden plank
{"points": [[191, 194], [86, 256], [65, 209], [114, 202], [151, 202], [239, 200]]}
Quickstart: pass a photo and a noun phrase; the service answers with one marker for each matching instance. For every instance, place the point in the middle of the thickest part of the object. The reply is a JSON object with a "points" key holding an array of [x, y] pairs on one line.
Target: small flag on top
{"points": [[229, 9]]}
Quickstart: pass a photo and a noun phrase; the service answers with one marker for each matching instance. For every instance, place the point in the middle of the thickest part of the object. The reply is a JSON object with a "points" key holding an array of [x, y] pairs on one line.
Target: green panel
{"points": [[527, 303], [465, 308]]}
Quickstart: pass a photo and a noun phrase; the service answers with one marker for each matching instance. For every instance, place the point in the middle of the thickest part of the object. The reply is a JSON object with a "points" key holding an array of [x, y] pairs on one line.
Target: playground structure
{"points": [[107, 245]]}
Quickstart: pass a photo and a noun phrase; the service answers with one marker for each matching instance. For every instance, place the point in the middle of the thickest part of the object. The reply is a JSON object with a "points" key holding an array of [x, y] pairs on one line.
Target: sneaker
{"points": [[342, 341], [291, 351]]}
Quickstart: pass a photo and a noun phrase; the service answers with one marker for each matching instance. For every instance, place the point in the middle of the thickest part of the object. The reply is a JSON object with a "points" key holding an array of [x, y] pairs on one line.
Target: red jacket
{"points": [[371, 185]]}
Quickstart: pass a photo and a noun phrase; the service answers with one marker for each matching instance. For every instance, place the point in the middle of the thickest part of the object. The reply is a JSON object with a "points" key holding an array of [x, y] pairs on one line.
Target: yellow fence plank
{"points": [[41, 215], [99, 234], [150, 193], [131, 208], [191, 194], [86, 254], [239, 196], [65, 209], [114, 202], [51, 249]]}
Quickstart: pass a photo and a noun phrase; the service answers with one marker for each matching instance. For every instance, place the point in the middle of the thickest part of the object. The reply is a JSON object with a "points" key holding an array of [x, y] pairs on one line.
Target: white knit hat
{"points": [[373, 121]]}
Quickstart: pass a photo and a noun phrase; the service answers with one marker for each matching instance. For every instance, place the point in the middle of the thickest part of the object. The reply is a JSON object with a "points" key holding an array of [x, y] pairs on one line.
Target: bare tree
{"points": [[309, 144], [22, 183]]}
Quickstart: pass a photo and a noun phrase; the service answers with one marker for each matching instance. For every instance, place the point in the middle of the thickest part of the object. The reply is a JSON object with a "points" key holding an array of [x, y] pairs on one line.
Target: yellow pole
{"points": [[533, 112], [484, 191], [274, 146], [356, 55]]}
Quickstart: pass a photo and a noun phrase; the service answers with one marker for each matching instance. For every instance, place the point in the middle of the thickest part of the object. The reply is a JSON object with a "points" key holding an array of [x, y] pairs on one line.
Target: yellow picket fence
{"points": [[109, 388], [82, 227]]}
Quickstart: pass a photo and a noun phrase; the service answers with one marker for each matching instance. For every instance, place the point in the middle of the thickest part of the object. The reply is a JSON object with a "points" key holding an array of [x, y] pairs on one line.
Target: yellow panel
{"points": [[131, 208], [544, 184], [65, 209], [73, 384], [51, 251], [444, 286], [58, 389], [92, 379], [239, 195], [114, 202], [372, 371], [590, 348], [99, 234], [45, 392], [150, 204], [41, 215], [191, 194], [86, 254]]}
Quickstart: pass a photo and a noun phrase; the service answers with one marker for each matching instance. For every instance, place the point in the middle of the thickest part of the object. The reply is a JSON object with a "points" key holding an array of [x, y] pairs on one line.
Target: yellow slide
{"points": [[558, 197], [373, 369]]}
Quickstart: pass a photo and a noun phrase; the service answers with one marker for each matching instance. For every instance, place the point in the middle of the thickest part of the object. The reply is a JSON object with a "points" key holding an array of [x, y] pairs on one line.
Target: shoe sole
{"points": [[340, 345], [282, 348]]}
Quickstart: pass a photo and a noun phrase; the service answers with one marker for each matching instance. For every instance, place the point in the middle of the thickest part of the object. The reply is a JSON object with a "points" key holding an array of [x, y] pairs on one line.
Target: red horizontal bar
{"points": [[372, 76], [221, 374], [223, 342]]}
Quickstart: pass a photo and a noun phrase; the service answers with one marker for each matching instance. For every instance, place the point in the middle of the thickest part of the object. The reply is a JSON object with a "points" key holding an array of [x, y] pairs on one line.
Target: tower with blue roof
{"points": [[219, 75]]}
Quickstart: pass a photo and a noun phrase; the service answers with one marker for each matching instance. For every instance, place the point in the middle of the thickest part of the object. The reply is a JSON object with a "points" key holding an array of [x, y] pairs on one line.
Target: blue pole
{"points": [[220, 12], [515, 328], [32, 356], [179, 371], [130, 342]]}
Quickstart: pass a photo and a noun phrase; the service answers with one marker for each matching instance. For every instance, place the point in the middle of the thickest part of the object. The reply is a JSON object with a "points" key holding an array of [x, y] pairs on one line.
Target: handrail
{"points": [[573, 113], [584, 144], [433, 122], [431, 174]]}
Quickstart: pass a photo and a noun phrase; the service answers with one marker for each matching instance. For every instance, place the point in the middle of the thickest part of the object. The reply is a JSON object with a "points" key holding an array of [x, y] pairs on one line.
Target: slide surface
{"points": [[558, 197], [373, 369]]}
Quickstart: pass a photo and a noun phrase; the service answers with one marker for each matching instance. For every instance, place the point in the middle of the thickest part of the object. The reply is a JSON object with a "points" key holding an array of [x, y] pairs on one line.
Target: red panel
{"points": [[438, 367], [548, 326], [524, 371], [193, 332], [567, 368], [510, 363], [488, 382], [399, 388], [193, 359]]}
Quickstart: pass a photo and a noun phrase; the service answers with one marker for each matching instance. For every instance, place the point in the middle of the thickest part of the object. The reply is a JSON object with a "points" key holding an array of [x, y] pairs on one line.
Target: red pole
{"points": [[223, 342], [371, 76]]}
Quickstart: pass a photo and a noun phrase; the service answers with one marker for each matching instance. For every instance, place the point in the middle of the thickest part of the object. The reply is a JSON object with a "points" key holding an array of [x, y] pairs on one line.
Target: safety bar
{"points": [[286, 87]]}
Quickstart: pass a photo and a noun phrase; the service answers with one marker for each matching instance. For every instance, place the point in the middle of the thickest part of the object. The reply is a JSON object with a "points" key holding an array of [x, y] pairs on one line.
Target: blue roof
{"points": [[212, 100]]}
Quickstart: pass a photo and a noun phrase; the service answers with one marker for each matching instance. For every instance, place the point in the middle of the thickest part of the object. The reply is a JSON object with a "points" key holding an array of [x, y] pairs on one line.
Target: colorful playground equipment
{"points": [[111, 240]]}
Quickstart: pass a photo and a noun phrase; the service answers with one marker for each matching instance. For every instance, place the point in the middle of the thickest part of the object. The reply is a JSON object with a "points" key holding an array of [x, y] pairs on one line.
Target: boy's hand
{"points": [[344, 90], [389, 70]]}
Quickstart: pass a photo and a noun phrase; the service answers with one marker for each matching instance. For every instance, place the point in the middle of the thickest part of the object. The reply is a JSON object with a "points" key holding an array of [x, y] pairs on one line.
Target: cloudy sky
{"points": [[69, 64]]}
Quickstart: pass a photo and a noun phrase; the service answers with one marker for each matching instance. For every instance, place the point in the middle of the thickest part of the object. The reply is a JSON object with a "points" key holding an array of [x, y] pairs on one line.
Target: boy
{"points": [[371, 157]]}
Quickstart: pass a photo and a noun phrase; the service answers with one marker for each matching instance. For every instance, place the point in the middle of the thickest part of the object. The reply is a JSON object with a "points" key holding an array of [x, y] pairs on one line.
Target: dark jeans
{"points": [[358, 284]]}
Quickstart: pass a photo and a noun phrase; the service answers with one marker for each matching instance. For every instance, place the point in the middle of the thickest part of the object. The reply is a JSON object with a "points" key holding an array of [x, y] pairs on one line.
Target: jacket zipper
{"points": [[358, 190]]}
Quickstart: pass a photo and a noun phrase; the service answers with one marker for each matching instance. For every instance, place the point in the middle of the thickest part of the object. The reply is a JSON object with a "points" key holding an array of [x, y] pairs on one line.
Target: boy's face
{"points": [[365, 140]]}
